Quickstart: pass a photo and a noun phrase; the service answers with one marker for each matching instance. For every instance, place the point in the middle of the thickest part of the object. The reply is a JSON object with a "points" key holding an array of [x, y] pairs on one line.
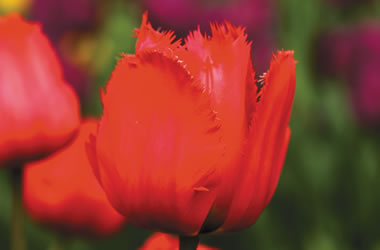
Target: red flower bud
{"points": [[39, 111]]}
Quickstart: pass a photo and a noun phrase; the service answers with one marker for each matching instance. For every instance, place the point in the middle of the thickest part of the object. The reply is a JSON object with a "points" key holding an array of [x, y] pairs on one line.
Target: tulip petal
{"points": [[113, 180], [159, 136], [268, 140], [149, 39], [222, 64]]}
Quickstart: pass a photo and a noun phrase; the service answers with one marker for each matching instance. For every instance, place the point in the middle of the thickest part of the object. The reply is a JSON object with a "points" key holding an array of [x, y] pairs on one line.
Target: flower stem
{"points": [[188, 242], [17, 227]]}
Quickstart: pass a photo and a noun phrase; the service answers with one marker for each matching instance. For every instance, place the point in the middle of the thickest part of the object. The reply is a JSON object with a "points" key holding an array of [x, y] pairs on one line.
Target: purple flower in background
{"points": [[59, 18], [365, 73], [354, 54], [347, 3], [334, 51], [76, 76], [184, 15]]}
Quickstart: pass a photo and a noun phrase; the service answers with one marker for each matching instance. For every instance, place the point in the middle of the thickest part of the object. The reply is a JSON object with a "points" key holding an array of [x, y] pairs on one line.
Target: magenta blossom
{"points": [[354, 55]]}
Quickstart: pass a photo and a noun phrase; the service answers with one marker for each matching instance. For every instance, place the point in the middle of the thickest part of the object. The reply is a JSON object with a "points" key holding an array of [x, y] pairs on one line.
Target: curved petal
{"points": [[268, 140], [108, 178], [159, 138], [222, 64]]}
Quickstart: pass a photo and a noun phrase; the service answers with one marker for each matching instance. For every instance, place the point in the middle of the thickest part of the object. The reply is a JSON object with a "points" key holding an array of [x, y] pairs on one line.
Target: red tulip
{"points": [[160, 241], [61, 191], [39, 111], [187, 143]]}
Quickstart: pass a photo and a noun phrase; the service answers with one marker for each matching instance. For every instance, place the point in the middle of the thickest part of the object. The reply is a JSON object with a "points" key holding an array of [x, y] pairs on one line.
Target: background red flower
{"points": [[160, 241], [39, 111], [62, 192]]}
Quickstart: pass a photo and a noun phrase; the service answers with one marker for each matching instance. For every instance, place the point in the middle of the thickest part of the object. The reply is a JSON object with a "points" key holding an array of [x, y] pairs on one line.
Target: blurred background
{"points": [[328, 196]]}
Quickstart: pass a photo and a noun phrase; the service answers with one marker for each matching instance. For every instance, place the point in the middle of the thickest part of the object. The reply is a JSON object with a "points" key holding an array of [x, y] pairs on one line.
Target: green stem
{"points": [[188, 242], [17, 227]]}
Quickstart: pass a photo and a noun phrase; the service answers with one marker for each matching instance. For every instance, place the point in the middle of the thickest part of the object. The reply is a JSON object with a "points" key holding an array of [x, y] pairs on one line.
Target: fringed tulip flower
{"points": [[161, 241], [188, 142], [61, 191], [39, 111]]}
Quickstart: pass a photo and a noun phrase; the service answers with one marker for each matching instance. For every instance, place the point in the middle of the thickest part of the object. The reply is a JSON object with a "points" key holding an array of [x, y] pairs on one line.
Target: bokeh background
{"points": [[328, 196]]}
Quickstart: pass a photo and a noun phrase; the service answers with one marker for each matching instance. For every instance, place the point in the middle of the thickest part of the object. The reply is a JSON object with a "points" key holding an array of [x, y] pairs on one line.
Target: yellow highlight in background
{"points": [[7, 6]]}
